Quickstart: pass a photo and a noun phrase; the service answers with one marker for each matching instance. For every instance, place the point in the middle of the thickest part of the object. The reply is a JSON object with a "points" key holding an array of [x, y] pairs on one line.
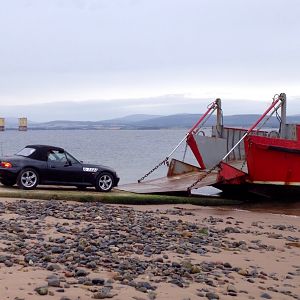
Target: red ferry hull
{"points": [[273, 161]]}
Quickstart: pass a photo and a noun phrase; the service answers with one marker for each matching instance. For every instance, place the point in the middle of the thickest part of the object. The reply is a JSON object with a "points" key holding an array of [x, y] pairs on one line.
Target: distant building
{"points": [[2, 124], [22, 124]]}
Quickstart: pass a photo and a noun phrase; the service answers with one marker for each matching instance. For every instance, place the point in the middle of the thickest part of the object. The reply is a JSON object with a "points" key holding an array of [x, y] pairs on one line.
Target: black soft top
{"points": [[42, 151]]}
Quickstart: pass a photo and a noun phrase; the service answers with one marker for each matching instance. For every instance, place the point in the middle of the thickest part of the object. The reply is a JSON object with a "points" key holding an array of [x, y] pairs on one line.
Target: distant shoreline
{"points": [[120, 129], [149, 122]]}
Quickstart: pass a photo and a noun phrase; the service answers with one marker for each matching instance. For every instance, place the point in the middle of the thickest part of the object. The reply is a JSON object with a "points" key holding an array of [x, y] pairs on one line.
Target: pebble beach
{"points": [[75, 251]]}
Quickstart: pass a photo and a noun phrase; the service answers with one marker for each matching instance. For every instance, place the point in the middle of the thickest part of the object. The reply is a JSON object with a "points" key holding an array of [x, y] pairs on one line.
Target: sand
{"points": [[268, 243]]}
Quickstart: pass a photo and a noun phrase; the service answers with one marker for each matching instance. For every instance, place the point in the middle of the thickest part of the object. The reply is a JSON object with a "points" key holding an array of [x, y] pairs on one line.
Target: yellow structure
{"points": [[2, 124], [22, 124]]}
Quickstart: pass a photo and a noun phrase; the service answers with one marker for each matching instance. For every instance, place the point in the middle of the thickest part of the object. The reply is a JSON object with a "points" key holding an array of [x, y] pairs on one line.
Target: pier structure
{"points": [[2, 124], [23, 124]]}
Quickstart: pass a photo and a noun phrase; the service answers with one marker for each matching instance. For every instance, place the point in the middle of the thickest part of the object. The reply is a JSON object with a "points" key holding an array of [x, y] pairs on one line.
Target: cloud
{"points": [[82, 49]]}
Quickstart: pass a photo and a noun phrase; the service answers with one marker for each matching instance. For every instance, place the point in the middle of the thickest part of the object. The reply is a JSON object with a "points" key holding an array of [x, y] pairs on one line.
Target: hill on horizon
{"points": [[142, 121], [137, 109]]}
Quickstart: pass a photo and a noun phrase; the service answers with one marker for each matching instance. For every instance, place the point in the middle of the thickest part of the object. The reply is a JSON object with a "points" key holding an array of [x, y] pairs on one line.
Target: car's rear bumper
{"points": [[11, 173]]}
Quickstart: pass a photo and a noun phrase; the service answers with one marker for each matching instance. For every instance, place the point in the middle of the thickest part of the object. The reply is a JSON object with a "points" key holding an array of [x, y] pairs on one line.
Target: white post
{"points": [[283, 116]]}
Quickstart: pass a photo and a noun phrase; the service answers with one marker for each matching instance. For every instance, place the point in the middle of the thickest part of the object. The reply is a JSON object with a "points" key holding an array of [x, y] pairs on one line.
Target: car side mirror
{"points": [[68, 163]]}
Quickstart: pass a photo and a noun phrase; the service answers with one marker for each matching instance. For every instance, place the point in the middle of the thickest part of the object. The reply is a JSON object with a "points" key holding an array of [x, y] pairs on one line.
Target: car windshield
{"points": [[61, 156], [72, 159], [26, 152]]}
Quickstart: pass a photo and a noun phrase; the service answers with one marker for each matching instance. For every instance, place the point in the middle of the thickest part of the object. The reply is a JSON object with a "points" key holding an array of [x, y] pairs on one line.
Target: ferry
{"points": [[234, 160]]}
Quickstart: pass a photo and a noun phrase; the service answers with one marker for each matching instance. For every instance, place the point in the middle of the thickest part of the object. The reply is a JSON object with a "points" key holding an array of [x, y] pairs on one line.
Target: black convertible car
{"points": [[42, 164]]}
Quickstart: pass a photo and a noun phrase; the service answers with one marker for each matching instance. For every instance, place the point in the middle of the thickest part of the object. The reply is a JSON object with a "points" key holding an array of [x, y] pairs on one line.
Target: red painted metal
{"points": [[273, 160], [298, 132], [194, 147], [231, 175]]}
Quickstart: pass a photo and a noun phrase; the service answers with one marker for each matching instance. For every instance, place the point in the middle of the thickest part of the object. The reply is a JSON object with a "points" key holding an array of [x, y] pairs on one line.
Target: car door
{"points": [[61, 169]]}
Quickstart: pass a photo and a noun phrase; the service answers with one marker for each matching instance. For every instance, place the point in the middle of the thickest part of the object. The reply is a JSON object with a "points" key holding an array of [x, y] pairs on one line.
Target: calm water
{"points": [[132, 153]]}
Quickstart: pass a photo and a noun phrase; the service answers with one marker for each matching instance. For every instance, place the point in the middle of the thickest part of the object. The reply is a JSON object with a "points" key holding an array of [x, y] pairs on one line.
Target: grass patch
{"points": [[203, 231], [115, 197]]}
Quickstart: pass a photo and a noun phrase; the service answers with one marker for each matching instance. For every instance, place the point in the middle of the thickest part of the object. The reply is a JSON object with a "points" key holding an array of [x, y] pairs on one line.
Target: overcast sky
{"points": [[77, 50]]}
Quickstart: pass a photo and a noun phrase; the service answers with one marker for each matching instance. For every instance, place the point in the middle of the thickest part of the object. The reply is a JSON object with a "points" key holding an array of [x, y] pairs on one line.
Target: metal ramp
{"points": [[180, 177], [170, 184]]}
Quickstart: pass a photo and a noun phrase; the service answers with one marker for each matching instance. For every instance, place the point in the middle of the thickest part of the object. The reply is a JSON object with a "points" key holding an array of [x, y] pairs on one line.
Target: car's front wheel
{"points": [[28, 179], [104, 182]]}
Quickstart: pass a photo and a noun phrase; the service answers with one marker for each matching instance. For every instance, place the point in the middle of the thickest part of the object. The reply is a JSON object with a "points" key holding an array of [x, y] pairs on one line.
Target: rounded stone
{"points": [[42, 290], [212, 296]]}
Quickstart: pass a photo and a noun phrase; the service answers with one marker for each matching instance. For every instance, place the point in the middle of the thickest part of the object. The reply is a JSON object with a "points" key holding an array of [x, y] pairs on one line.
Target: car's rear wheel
{"points": [[8, 182], [28, 179], [104, 182]]}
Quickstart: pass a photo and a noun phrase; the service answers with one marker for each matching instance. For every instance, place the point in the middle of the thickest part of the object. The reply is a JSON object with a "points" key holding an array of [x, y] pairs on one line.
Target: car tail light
{"points": [[6, 164]]}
